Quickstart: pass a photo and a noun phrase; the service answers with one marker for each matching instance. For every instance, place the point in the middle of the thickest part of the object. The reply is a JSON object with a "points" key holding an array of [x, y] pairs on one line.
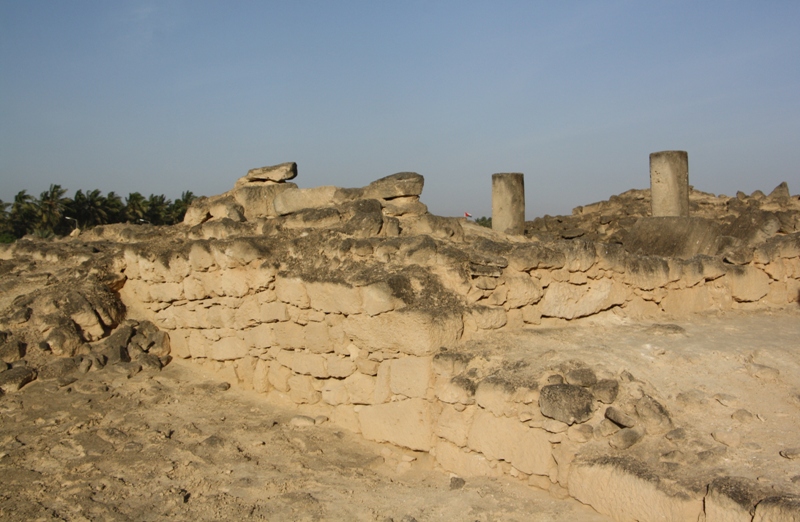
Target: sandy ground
{"points": [[179, 445]]}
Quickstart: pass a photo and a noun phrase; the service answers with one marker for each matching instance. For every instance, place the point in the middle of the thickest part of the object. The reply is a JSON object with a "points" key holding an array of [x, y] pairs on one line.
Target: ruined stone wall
{"points": [[356, 352]]}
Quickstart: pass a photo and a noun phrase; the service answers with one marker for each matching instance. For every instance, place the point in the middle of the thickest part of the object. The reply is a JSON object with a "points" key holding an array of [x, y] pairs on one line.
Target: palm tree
{"points": [[6, 235], [50, 208], [115, 209], [179, 207], [23, 214], [88, 209], [157, 209], [135, 207]]}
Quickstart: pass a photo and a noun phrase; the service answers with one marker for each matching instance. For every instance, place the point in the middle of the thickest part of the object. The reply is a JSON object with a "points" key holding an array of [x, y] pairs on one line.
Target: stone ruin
{"points": [[358, 305]]}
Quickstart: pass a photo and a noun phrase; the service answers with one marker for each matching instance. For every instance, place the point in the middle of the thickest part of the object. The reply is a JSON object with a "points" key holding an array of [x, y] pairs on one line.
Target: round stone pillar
{"points": [[508, 203], [669, 183]]}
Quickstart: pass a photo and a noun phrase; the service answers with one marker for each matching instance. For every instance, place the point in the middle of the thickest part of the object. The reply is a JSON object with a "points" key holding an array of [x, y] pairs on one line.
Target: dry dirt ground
{"points": [[179, 444]]}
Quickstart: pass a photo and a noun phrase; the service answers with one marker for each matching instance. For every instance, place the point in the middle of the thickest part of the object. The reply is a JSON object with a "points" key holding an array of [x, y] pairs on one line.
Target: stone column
{"points": [[669, 183], [508, 203]]}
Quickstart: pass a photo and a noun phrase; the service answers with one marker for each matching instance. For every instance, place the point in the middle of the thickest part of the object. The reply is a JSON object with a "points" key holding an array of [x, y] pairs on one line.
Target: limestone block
{"points": [[231, 283], [313, 218], [495, 396], [454, 425], [146, 270], [368, 366], [174, 268], [245, 370], [274, 173], [570, 301], [566, 403], [138, 290], [289, 335], [449, 364], [580, 255], [219, 316], [339, 367], [747, 283], [488, 317], [224, 207], [783, 508], [456, 390], [334, 392], [345, 416], [523, 290], [273, 312], [317, 338], [200, 256], [283, 357], [463, 462], [404, 206], [383, 389], [227, 348], [531, 314], [501, 438], [647, 272], [624, 489], [413, 333], [166, 292], [564, 453], [498, 297], [261, 376], [194, 288], [278, 376], [360, 388], [260, 337], [295, 199], [411, 376], [705, 298], [91, 329], [198, 344], [246, 313], [778, 294], [309, 364], [334, 298], [179, 343], [638, 308], [131, 259], [377, 299], [394, 186], [256, 200], [407, 423], [302, 391], [527, 256], [732, 499], [292, 291]]}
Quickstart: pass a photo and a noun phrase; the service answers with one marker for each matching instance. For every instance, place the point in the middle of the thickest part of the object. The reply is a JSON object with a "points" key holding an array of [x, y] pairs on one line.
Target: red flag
{"points": [[467, 214]]}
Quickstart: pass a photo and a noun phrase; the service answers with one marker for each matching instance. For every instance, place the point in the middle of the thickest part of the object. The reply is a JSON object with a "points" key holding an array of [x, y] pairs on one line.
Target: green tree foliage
{"points": [[49, 210], [6, 232], [135, 208], [157, 212], [55, 214], [179, 206], [88, 210], [484, 221], [23, 214]]}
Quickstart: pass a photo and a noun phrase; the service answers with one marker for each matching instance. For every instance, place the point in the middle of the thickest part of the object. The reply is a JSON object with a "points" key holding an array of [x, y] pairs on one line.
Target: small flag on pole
{"points": [[467, 215]]}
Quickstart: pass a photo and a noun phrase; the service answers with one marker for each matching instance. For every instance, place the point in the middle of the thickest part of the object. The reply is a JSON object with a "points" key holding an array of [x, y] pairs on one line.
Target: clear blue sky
{"points": [[161, 97]]}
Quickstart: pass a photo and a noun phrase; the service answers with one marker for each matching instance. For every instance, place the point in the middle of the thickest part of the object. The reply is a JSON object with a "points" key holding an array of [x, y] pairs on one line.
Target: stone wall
{"points": [[356, 333], [358, 306]]}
